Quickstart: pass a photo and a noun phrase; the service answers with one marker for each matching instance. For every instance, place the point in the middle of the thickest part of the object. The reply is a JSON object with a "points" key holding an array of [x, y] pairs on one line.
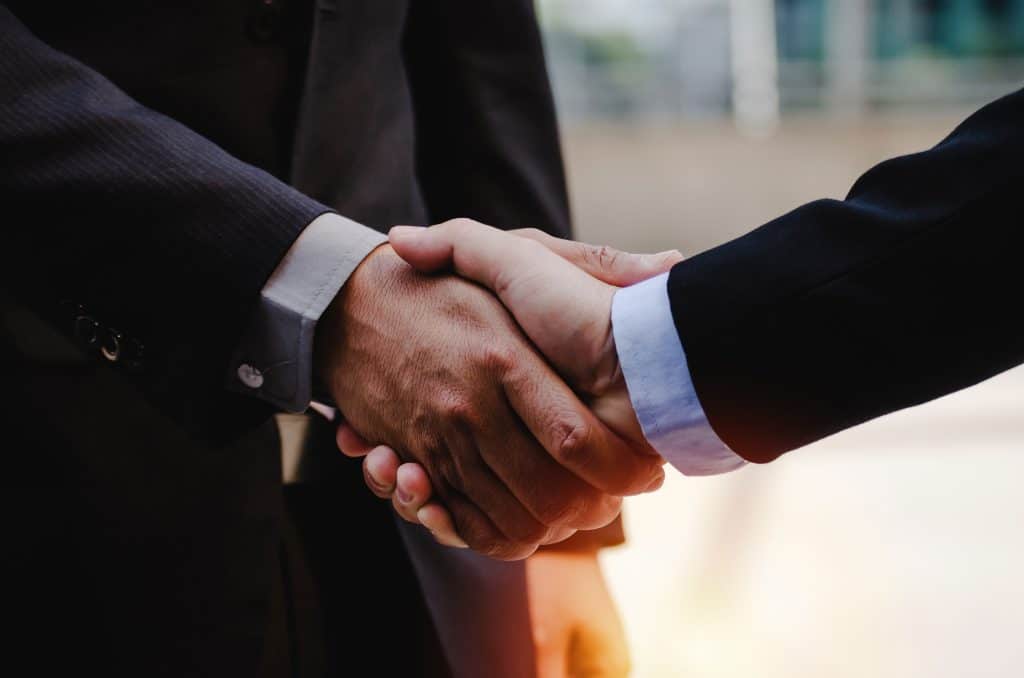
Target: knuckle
{"points": [[485, 541], [483, 538], [603, 510], [460, 412], [597, 510], [480, 540], [500, 357], [459, 224], [528, 532], [510, 550], [601, 256], [608, 256], [530, 233], [437, 461], [557, 514], [563, 510], [572, 441]]}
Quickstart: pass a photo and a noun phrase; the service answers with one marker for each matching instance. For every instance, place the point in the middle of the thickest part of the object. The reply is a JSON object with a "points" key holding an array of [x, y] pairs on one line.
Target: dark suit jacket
{"points": [[842, 311], [157, 159]]}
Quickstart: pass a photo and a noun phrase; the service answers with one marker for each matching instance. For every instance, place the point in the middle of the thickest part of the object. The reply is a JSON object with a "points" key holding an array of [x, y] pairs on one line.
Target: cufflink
{"points": [[250, 376]]}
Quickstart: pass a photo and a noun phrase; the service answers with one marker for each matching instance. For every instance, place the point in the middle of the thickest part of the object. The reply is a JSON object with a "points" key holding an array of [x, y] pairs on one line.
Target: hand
{"points": [[576, 629], [435, 368], [560, 292], [527, 274]]}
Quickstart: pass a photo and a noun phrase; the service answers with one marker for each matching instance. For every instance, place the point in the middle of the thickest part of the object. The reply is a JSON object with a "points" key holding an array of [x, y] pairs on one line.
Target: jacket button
{"points": [[110, 347], [250, 376]]}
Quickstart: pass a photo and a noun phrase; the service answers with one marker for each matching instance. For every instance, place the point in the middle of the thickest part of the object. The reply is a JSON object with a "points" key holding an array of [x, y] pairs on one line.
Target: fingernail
{"points": [[375, 483], [403, 496]]}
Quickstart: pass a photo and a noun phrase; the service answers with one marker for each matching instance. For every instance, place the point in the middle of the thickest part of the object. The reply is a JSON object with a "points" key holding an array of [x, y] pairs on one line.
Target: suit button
{"points": [[87, 330], [110, 347], [250, 376], [264, 24]]}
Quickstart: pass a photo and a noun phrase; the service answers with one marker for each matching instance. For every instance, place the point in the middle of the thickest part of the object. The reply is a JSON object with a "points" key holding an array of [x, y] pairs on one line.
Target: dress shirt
{"points": [[658, 379], [275, 358]]}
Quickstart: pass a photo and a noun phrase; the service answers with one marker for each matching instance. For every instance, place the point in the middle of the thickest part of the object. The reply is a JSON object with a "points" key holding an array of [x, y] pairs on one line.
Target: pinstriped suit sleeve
{"points": [[133, 220]]}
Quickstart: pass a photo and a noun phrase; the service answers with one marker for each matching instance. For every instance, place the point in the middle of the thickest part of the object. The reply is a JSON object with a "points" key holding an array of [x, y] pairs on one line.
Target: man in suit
{"points": [[170, 173], [834, 314]]}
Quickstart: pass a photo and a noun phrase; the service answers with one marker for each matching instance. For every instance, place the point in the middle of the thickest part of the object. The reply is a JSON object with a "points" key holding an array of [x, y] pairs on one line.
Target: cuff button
{"points": [[250, 376]]}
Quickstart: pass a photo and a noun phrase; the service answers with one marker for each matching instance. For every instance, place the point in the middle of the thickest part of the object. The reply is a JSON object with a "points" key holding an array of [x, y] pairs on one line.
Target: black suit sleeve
{"points": [[488, 144], [117, 212], [843, 311]]}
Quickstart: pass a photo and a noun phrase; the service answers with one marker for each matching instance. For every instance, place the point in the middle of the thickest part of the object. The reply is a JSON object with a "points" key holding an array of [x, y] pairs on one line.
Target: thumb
{"points": [[607, 264], [475, 251], [425, 249]]}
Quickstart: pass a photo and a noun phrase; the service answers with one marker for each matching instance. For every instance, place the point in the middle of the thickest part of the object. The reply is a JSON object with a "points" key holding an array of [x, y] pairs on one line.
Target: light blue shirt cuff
{"points": [[275, 358], [658, 379]]}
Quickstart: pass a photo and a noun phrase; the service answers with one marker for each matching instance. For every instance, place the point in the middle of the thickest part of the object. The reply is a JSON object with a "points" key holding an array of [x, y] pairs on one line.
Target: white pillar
{"points": [[848, 51], [755, 65]]}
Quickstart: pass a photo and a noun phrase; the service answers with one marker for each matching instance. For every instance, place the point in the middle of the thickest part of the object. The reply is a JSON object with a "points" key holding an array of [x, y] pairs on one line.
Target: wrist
{"points": [[361, 286]]}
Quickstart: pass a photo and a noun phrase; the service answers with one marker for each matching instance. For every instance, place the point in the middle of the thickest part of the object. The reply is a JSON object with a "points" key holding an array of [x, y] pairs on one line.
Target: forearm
{"points": [[842, 311], [121, 214]]}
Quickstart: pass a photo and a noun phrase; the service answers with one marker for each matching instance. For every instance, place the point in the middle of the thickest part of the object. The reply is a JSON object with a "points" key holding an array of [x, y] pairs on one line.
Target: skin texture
{"points": [[560, 294], [436, 369]]}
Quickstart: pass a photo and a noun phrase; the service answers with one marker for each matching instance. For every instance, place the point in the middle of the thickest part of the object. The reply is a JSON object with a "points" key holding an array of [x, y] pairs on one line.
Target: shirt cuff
{"points": [[275, 358], [658, 379]]}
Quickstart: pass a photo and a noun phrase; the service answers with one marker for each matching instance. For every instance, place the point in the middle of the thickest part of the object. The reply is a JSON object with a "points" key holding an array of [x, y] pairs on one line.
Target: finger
{"points": [[478, 531], [475, 251], [351, 443], [606, 263], [477, 483], [424, 251], [434, 248], [412, 491], [573, 435], [554, 496], [560, 535], [438, 520], [380, 470]]}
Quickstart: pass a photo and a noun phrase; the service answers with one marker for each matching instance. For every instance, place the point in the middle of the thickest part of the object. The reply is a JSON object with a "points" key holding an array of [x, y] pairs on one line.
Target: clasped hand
{"points": [[500, 452]]}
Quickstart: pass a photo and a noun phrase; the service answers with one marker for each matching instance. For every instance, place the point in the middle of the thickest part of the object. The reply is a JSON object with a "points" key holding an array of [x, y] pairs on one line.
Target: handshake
{"points": [[489, 404]]}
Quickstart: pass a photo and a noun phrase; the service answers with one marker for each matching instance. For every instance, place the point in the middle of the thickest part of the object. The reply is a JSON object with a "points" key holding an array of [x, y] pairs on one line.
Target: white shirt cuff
{"points": [[275, 359], [658, 379]]}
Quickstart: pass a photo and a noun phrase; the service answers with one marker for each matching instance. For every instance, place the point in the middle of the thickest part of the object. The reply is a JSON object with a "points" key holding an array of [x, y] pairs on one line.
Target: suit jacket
{"points": [[842, 311], [157, 159]]}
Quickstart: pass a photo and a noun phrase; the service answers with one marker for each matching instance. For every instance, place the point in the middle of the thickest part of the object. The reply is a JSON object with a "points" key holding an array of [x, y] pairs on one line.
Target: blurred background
{"points": [[893, 550]]}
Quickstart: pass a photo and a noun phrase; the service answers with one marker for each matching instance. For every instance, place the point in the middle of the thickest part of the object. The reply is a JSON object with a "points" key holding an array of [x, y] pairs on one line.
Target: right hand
{"points": [[437, 369]]}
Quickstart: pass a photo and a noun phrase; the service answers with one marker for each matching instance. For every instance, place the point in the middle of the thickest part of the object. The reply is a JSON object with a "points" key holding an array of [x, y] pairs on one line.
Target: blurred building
{"points": [[758, 59]]}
